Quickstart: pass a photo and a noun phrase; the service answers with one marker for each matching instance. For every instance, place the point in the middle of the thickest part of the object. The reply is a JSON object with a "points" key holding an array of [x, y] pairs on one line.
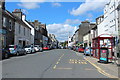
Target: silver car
{"points": [[16, 50]]}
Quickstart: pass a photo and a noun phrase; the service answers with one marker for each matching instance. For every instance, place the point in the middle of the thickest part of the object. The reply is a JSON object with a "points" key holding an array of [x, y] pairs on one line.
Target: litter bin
{"points": [[103, 55]]}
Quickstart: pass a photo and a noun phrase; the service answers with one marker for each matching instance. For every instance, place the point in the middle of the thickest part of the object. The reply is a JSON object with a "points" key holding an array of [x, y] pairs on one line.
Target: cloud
{"points": [[72, 21], [32, 0], [56, 5], [25, 11], [29, 5], [90, 17], [54, 0], [88, 5], [61, 30]]}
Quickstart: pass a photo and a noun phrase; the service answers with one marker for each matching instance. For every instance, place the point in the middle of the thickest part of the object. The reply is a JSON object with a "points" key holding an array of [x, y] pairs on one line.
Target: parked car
{"points": [[45, 48], [41, 49], [37, 48], [74, 48], [61, 47], [16, 50], [88, 51], [80, 49], [5, 53], [29, 49]]}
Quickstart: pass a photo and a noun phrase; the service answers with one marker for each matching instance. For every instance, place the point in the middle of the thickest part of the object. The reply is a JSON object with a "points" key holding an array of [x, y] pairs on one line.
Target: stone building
{"points": [[22, 31], [88, 36], [38, 38], [44, 33], [84, 29], [8, 26], [53, 42]]}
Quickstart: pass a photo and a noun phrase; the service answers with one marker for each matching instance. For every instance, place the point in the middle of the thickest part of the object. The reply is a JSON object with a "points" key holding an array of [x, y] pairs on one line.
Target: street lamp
{"points": [[90, 39]]}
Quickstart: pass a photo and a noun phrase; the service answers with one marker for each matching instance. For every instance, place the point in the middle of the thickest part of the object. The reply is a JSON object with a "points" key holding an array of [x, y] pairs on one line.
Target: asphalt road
{"points": [[59, 63]]}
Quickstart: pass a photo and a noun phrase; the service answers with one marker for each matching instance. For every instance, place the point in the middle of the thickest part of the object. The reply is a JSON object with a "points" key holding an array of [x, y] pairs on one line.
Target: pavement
{"points": [[57, 63], [109, 69]]}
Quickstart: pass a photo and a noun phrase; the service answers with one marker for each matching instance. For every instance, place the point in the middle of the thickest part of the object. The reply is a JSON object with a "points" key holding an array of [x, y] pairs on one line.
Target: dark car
{"points": [[5, 53]]}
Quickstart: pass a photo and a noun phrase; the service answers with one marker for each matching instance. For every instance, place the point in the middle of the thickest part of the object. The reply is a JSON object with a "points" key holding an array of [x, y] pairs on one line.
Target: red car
{"points": [[45, 48], [80, 49]]}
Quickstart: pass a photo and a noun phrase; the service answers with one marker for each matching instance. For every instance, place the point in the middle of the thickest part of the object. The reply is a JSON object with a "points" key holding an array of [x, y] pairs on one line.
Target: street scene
{"points": [[42, 39]]}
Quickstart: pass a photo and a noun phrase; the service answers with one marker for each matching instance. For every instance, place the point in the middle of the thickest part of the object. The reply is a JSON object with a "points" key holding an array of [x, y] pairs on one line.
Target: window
{"points": [[4, 21], [4, 40], [24, 31], [19, 29], [28, 32], [106, 30], [10, 25], [112, 26]]}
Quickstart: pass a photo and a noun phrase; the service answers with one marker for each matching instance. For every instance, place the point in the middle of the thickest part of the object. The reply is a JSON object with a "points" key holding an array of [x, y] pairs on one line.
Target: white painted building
{"points": [[108, 23], [86, 39], [119, 19], [22, 34], [32, 29]]}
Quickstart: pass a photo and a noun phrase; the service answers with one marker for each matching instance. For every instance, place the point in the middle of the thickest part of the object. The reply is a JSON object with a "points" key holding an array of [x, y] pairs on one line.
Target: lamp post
{"points": [[90, 39]]}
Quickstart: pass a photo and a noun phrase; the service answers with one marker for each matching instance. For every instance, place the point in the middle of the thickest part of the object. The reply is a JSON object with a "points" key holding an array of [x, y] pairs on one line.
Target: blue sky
{"points": [[60, 17]]}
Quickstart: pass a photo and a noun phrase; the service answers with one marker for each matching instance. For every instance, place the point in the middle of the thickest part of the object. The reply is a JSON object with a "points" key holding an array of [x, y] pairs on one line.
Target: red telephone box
{"points": [[103, 41]]}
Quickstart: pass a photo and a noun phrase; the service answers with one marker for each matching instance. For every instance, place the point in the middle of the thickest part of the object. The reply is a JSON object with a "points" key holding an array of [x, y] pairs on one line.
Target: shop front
{"points": [[102, 42]]}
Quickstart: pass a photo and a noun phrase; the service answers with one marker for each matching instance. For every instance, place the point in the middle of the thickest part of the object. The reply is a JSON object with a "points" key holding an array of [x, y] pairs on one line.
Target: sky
{"points": [[61, 18]]}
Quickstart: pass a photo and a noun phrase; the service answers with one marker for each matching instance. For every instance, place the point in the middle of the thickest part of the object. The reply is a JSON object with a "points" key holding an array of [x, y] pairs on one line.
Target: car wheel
{"points": [[25, 53], [17, 54], [31, 51], [6, 56]]}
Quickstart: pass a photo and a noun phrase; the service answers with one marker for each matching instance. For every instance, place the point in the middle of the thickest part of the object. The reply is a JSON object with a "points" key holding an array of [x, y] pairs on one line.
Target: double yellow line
{"points": [[100, 70]]}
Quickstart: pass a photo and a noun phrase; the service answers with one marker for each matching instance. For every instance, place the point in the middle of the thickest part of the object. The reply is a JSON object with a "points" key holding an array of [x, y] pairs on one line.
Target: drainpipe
{"points": [[115, 49]]}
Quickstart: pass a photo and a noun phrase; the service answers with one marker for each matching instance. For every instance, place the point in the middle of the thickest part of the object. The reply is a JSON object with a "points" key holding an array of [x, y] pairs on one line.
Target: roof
{"points": [[104, 36], [14, 17], [8, 13], [76, 30]]}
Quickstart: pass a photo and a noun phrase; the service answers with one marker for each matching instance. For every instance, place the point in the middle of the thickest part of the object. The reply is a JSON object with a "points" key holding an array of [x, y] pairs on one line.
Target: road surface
{"points": [[58, 63]]}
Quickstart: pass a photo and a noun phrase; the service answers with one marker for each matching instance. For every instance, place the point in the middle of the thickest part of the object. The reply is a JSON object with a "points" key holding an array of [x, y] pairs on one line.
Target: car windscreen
{"points": [[11, 46], [27, 46], [36, 46]]}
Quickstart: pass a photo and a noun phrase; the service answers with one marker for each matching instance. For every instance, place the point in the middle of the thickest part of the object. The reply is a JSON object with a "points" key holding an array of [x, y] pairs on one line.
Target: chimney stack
{"points": [[18, 13], [2, 4]]}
